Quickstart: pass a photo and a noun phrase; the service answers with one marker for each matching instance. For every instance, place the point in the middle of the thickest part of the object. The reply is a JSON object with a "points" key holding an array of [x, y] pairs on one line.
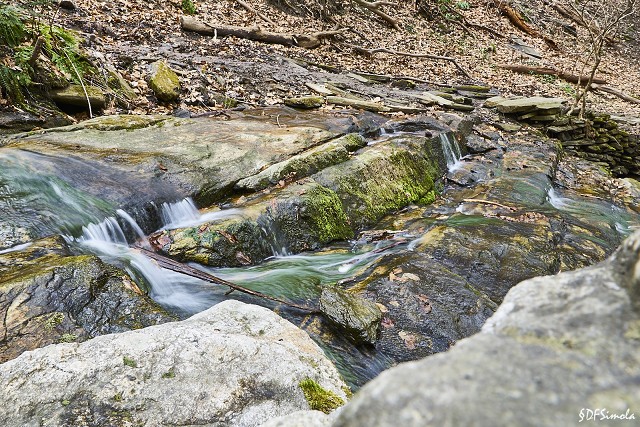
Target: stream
{"points": [[42, 204]]}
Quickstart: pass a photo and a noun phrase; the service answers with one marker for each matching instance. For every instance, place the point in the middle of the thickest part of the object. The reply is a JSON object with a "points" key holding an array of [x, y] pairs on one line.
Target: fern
{"points": [[11, 84], [12, 31]]}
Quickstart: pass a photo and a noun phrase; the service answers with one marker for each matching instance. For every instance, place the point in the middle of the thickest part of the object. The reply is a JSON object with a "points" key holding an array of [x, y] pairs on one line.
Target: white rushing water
{"points": [[108, 240], [185, 214], [451, 150]]}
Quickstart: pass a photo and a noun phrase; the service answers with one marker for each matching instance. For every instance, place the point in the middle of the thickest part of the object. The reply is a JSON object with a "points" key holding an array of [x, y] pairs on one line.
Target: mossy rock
{"points": [[319, 398], [48, 295], [355, 316], [304, 164], [384, 177], [75, 96], [305, 102], [164, 82]]}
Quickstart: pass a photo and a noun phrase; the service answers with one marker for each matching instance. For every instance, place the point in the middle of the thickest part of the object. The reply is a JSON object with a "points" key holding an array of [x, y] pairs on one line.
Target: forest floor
{"points": [[131, 34]]}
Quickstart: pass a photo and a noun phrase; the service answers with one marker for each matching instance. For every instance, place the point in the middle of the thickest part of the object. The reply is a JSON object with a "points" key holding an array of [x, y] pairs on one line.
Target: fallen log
{"points": [[309, 41], [179, 267], [375, 8], [571, 78], [616, 92], [518, 21]]}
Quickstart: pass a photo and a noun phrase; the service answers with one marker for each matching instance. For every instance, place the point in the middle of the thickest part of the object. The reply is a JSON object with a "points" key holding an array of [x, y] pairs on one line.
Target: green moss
{"points": [[129, 362], [305, 102], [164, 82], [169, 374], [68, 338], [53, 320], [318, 398], [379, 182], [327, 218], [65, 403]]}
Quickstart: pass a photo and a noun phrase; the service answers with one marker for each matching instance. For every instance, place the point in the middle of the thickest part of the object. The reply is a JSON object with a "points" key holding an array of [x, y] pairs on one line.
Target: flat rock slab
{"points": [[234, 365], [110, 159], [525, 105]]}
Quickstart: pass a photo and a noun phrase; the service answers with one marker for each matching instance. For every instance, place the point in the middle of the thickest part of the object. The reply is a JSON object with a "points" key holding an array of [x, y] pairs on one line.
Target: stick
{"points": [[179, 267], [375, 8], [262, 16], [309, 41], [488, 202], [84, 89], [615, 92], [413, 55]]}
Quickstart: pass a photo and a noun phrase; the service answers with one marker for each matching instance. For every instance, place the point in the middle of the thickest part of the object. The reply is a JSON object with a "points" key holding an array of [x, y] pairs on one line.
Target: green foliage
{"points": [[318, 398], [189, 7], [54, 320], [129, 362], [463, 5], [12, 31]]}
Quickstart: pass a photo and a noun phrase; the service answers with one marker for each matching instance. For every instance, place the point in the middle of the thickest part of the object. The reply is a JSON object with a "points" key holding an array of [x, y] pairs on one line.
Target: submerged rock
{"points": [[49, 296], [234, 365], [557, 345], [300, 217], [357, 317]]}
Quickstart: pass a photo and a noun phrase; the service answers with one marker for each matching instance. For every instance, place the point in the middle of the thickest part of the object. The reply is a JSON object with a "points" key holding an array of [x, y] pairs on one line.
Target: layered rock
{"points": [[330, 205], [234, 364], [557, 346]]}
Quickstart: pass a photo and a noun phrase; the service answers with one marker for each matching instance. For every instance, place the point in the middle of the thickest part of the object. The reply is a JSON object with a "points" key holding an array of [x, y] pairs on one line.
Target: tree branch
{"points": [[262, 16], [375, 8], [370, 52]]}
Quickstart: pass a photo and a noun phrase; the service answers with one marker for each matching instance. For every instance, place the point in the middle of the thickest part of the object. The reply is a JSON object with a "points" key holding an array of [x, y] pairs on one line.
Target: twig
{"points": [[412, 55], [488, 202], [261, 15], [375, 8], [84, 89], [179, 267]]}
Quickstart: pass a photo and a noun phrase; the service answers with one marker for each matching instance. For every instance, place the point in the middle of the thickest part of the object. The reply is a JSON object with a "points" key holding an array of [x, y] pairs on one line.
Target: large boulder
{"points": [[47, 296], [558, 347], [234, 365]]}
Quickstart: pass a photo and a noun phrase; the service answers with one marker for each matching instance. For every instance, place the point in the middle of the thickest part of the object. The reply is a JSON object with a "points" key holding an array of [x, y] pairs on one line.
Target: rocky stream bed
{"points": [[423, 224]]}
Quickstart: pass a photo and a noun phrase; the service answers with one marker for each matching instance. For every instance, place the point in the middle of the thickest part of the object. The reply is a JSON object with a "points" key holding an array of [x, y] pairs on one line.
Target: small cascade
{"points": [[107, 240], [451, 151], [185, 214], [556, 200]]}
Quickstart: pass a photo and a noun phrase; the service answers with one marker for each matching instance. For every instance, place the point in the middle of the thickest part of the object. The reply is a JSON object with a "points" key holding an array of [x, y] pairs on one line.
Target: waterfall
{"points": [[556, 200], [185, 214], [107, 240], [451, 151]]}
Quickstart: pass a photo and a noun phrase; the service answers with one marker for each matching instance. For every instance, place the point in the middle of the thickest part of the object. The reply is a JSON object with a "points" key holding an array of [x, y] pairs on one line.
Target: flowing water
{"points": [[451, 150], [32, 196]]}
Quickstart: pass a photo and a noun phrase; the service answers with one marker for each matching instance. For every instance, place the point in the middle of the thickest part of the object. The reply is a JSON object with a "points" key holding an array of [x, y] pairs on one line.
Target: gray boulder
{"points": [[233, 365], [557, 347]]}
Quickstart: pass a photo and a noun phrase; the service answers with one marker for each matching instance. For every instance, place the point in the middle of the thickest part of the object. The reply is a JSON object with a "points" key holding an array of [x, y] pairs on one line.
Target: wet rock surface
{"points": [[48, 295], [243, 364], [556, 345]]}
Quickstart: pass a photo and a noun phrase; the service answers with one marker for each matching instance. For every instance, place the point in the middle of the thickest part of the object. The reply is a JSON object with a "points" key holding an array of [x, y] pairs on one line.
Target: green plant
{"points": [[463, 5], [318, 398], [12, 30], [189, 7], [129, 362], [54, 320]]}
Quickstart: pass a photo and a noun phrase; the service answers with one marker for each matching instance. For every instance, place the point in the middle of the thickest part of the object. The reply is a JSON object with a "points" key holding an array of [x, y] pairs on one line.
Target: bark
{"points": [[309, 41]]}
